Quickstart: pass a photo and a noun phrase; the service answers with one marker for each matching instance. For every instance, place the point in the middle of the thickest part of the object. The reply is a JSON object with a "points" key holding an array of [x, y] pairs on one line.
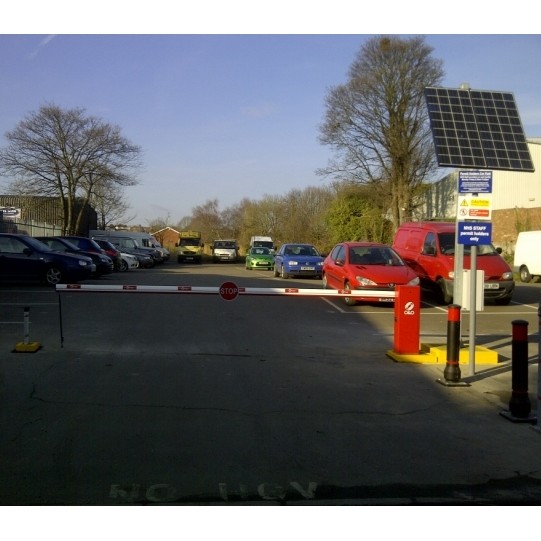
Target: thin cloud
{"points": [[45, 41], [259, 111]]}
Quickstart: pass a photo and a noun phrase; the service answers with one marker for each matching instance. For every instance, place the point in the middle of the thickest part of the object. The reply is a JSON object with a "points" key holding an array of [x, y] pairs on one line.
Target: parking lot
{"points": [[155, 398]]}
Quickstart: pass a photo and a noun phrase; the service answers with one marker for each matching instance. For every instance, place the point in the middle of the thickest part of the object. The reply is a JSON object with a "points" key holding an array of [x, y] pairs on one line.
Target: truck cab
{"points": [[190, 247]]}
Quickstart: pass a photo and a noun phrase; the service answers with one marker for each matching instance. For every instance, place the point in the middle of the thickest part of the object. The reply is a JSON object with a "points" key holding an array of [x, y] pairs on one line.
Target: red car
{"points": [[366, 265]]}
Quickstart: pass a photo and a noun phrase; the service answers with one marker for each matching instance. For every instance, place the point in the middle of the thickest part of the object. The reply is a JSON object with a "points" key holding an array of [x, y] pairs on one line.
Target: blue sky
{"points": [[227, 115]]}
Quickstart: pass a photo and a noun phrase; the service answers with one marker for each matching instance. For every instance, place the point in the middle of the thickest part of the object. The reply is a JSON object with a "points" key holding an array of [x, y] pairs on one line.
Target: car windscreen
{"points": [[37, 245], [61, 245], [447, 246]]}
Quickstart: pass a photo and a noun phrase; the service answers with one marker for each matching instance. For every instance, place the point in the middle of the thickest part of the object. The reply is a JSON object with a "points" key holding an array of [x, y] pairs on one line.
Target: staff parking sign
{"points": [[474, 233]]}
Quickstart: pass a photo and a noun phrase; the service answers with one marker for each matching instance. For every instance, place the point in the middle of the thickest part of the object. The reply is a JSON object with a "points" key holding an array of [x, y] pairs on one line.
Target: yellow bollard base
{"points": [[436, 354], [31, 347]]}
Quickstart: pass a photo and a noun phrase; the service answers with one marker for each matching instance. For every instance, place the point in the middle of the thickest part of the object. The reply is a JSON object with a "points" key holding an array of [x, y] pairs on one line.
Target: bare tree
{"points": [[263, 217], [68, 155], [206, 218], [110, 205], [305, 211], [377, 121]]}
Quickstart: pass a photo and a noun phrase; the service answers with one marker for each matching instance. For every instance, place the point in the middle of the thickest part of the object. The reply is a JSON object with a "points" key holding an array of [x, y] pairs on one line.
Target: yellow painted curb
{"points": [[31, 347], [482, 355], [425, 356], [431, 354]]}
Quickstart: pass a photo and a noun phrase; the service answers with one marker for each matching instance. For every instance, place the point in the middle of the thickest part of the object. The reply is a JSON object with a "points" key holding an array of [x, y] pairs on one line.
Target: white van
{"points": [[527, 261], [258, 242], [143, 239]]}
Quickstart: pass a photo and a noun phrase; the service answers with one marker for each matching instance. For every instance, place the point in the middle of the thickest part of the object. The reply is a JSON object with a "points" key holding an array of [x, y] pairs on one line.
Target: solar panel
{"points": [[478, 129]]}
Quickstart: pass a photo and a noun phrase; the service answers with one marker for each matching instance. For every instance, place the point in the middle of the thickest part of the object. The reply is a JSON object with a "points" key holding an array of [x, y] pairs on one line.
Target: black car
{"points": [[23, 258], [104, 264]]}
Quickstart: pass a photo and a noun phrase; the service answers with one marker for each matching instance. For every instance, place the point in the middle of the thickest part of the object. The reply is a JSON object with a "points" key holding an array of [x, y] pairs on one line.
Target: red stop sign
{"points": [[229, 291]]}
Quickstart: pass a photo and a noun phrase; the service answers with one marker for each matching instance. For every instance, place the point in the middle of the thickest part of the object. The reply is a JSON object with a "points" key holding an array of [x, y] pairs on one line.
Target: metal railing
{"points": [[29, 227]]}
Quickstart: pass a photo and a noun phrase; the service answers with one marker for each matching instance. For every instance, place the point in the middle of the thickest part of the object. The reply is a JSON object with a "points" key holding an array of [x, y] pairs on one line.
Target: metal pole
{"points": [[473, 306], [451, 374], [539, 369], [60, 318], [452, 368], [519, 404], [26, 323]]}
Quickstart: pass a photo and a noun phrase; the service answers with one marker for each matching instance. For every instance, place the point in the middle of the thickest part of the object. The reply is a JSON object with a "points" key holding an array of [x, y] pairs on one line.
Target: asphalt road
{"points": [[157, 398]]}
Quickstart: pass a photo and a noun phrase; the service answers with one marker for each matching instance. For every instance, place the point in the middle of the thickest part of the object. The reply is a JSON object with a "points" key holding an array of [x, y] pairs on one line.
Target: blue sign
{"points": [[474, 233], [475, 182]]}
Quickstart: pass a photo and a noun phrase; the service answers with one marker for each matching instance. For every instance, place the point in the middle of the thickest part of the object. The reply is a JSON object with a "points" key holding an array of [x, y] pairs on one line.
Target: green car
{"points": [[260, 257]]}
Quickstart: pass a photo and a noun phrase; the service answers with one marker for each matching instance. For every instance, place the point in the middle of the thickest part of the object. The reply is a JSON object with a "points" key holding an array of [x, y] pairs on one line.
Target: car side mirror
{"points": [[340, 262]]}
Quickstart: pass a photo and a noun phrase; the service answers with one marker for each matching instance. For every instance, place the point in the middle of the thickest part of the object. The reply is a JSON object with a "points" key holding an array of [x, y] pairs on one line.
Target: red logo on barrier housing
{"points": [[229, 291]]}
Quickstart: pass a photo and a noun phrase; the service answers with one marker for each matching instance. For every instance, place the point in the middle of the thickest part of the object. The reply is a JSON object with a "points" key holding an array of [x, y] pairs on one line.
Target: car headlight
{"points": [[414, 282], [83, 263], [365, 282], [320, 263], [507, 276], [292, 263], [451, 275]]}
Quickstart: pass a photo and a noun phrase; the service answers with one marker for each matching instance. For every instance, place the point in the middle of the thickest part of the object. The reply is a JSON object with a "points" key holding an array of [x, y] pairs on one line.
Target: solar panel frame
{"points": [[478, 129]]}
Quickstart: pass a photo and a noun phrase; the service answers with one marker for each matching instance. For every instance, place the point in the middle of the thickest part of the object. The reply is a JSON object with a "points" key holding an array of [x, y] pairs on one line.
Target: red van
{"points": [[429, 247]]}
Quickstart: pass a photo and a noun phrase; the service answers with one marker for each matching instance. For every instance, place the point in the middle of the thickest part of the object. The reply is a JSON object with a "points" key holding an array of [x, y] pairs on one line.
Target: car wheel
{"points": [[525, 275], [503, 301], [444, 297], [350, 301], [283, 273], [54, 275], [123, 267]]}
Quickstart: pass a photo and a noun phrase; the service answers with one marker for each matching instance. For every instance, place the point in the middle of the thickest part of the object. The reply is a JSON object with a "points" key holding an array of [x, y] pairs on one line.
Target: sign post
{"points": [[474, 203]]}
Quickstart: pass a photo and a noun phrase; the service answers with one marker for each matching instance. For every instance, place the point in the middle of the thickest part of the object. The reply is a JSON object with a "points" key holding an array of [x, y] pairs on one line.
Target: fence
{"points": [[28, 227]]}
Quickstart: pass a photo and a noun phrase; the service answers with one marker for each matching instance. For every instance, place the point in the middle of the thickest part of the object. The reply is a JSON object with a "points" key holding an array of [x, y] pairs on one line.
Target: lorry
{"points": [[261, 241], [190, 247], [527, 258], [225, 250]]}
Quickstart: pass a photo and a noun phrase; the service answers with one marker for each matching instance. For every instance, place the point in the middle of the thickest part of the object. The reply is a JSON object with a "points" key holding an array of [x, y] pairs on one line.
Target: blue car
{"points": [[298, 260]]}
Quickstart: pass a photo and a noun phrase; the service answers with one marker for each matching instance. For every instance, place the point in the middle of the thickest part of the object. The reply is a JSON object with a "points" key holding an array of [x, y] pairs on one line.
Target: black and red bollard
{"points": [[451, 374], [519, 405]]}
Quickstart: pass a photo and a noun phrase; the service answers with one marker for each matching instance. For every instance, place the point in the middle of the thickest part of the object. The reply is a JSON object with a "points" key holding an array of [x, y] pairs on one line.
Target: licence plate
{"points": [[492, 285], [385, 299], [308, 268]]}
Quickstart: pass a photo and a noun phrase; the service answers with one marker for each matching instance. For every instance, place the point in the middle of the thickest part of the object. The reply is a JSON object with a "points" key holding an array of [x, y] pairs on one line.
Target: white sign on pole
{"points": [[474, 207]]}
